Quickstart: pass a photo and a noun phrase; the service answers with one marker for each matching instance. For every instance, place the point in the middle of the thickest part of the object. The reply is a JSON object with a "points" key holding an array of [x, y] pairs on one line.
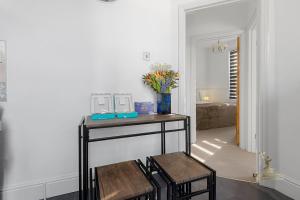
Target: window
{"points": [[233, 74]]}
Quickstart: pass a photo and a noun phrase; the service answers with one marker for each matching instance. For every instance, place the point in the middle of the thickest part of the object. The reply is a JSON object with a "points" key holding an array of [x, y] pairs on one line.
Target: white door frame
{"points": [[252, 86], [265, 59], [191, 90]]}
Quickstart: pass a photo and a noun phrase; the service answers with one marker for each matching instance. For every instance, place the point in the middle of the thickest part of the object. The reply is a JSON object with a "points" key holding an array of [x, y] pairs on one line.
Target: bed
{"points": [[215, 115]]}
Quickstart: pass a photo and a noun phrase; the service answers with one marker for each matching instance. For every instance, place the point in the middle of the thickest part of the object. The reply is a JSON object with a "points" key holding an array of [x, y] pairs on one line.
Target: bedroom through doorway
{"points": [[220, 54]]}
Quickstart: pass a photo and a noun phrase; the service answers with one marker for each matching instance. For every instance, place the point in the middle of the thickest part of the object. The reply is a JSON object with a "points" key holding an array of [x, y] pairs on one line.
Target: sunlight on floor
{"points": [[198, 158], [218, 140], [212, 144], [203, 149], [217, 148]]}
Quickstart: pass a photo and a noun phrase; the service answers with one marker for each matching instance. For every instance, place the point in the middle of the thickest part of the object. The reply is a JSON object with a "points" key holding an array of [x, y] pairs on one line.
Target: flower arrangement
{"points": [[162, 79]]}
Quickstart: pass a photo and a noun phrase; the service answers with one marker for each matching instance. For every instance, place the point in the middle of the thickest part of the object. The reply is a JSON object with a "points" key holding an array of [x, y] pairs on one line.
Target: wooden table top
{"points": [[141, 119], [122, 181], [181, 168]]}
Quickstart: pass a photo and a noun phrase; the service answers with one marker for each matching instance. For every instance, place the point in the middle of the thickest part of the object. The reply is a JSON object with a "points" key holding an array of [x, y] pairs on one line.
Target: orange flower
{"points": [[158, 75]]}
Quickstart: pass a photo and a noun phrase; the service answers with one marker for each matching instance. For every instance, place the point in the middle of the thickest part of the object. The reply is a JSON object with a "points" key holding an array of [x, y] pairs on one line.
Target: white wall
{"points": [[122, 31], [284, 133], [202, 62], [48, 52], [288, 83], [218, 69], [59, 51], [212, 74]]}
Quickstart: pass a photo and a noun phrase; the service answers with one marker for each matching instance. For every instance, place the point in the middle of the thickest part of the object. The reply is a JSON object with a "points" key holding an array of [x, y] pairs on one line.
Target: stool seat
{"points": [[122, 181], [181, 168]]}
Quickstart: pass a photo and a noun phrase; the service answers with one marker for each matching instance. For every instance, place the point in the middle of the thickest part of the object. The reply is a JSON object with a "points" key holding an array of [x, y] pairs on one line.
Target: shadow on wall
{"points": [[2, 151]]}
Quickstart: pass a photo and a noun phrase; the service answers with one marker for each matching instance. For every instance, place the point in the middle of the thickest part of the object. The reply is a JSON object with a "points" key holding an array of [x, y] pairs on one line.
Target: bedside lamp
{"points": [[206, 98]]}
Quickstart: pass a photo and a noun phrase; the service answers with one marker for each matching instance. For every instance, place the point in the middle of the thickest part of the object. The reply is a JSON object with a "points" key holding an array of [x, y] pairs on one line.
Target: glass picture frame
{"points": [[101, 103], [123, 103]]}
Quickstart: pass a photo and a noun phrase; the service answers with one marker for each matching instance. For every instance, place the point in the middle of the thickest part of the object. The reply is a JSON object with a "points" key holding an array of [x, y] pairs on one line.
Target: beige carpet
{"points": [[216, 148]]}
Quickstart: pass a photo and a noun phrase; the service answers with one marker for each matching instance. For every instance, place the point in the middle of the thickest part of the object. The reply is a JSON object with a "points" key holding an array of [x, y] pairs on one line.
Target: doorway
{"points": [[220, 92]]}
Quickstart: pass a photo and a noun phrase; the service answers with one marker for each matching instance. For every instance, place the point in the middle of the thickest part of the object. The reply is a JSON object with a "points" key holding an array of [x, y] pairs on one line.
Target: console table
{"points": [[87, 124]]}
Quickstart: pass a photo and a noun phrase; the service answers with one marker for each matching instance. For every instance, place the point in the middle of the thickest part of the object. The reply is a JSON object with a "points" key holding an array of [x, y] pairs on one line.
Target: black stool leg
{"points": [[190, 189], [181, 190], [91, 184], [214, 186], [96, 191], [158, 192], [210, 187], [168, 192], [153, 194], [174, 191], [186, 190]]}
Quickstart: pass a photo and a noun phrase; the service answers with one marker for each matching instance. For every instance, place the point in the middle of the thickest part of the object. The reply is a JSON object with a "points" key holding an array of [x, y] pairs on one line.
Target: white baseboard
{"points": [[35, 192], [68, 184], [41, 189], [289, 187], [286, 185], [63, 186]]}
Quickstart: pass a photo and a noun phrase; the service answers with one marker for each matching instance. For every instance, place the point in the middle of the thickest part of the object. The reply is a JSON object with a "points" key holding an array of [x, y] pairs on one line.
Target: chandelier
{"points": [[220, 47]]}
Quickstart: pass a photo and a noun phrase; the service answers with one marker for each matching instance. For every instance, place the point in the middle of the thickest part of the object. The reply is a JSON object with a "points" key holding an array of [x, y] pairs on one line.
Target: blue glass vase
{"points": [[163, 103]]}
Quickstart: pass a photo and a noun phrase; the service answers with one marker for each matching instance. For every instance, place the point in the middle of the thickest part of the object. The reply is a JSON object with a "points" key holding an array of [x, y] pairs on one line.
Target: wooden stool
{"points": [[179, 171], [121, 181]]}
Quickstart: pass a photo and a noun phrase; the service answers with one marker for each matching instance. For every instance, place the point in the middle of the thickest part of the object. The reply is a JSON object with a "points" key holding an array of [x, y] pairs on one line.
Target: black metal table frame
{"points": [[84, 140]]}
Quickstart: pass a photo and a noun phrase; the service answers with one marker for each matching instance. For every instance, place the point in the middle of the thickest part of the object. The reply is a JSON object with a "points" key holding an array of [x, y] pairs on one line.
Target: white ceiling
{"points": [[229, 17]]}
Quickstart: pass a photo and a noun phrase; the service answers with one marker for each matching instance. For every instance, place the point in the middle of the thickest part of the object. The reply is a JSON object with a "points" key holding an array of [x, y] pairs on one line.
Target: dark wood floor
{"points": [[226, 190]]}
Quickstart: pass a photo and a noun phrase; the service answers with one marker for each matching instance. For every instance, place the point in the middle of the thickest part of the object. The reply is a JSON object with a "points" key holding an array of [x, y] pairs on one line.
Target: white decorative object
{"points": [[102, 103], [123, 103], [268, 172]]}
